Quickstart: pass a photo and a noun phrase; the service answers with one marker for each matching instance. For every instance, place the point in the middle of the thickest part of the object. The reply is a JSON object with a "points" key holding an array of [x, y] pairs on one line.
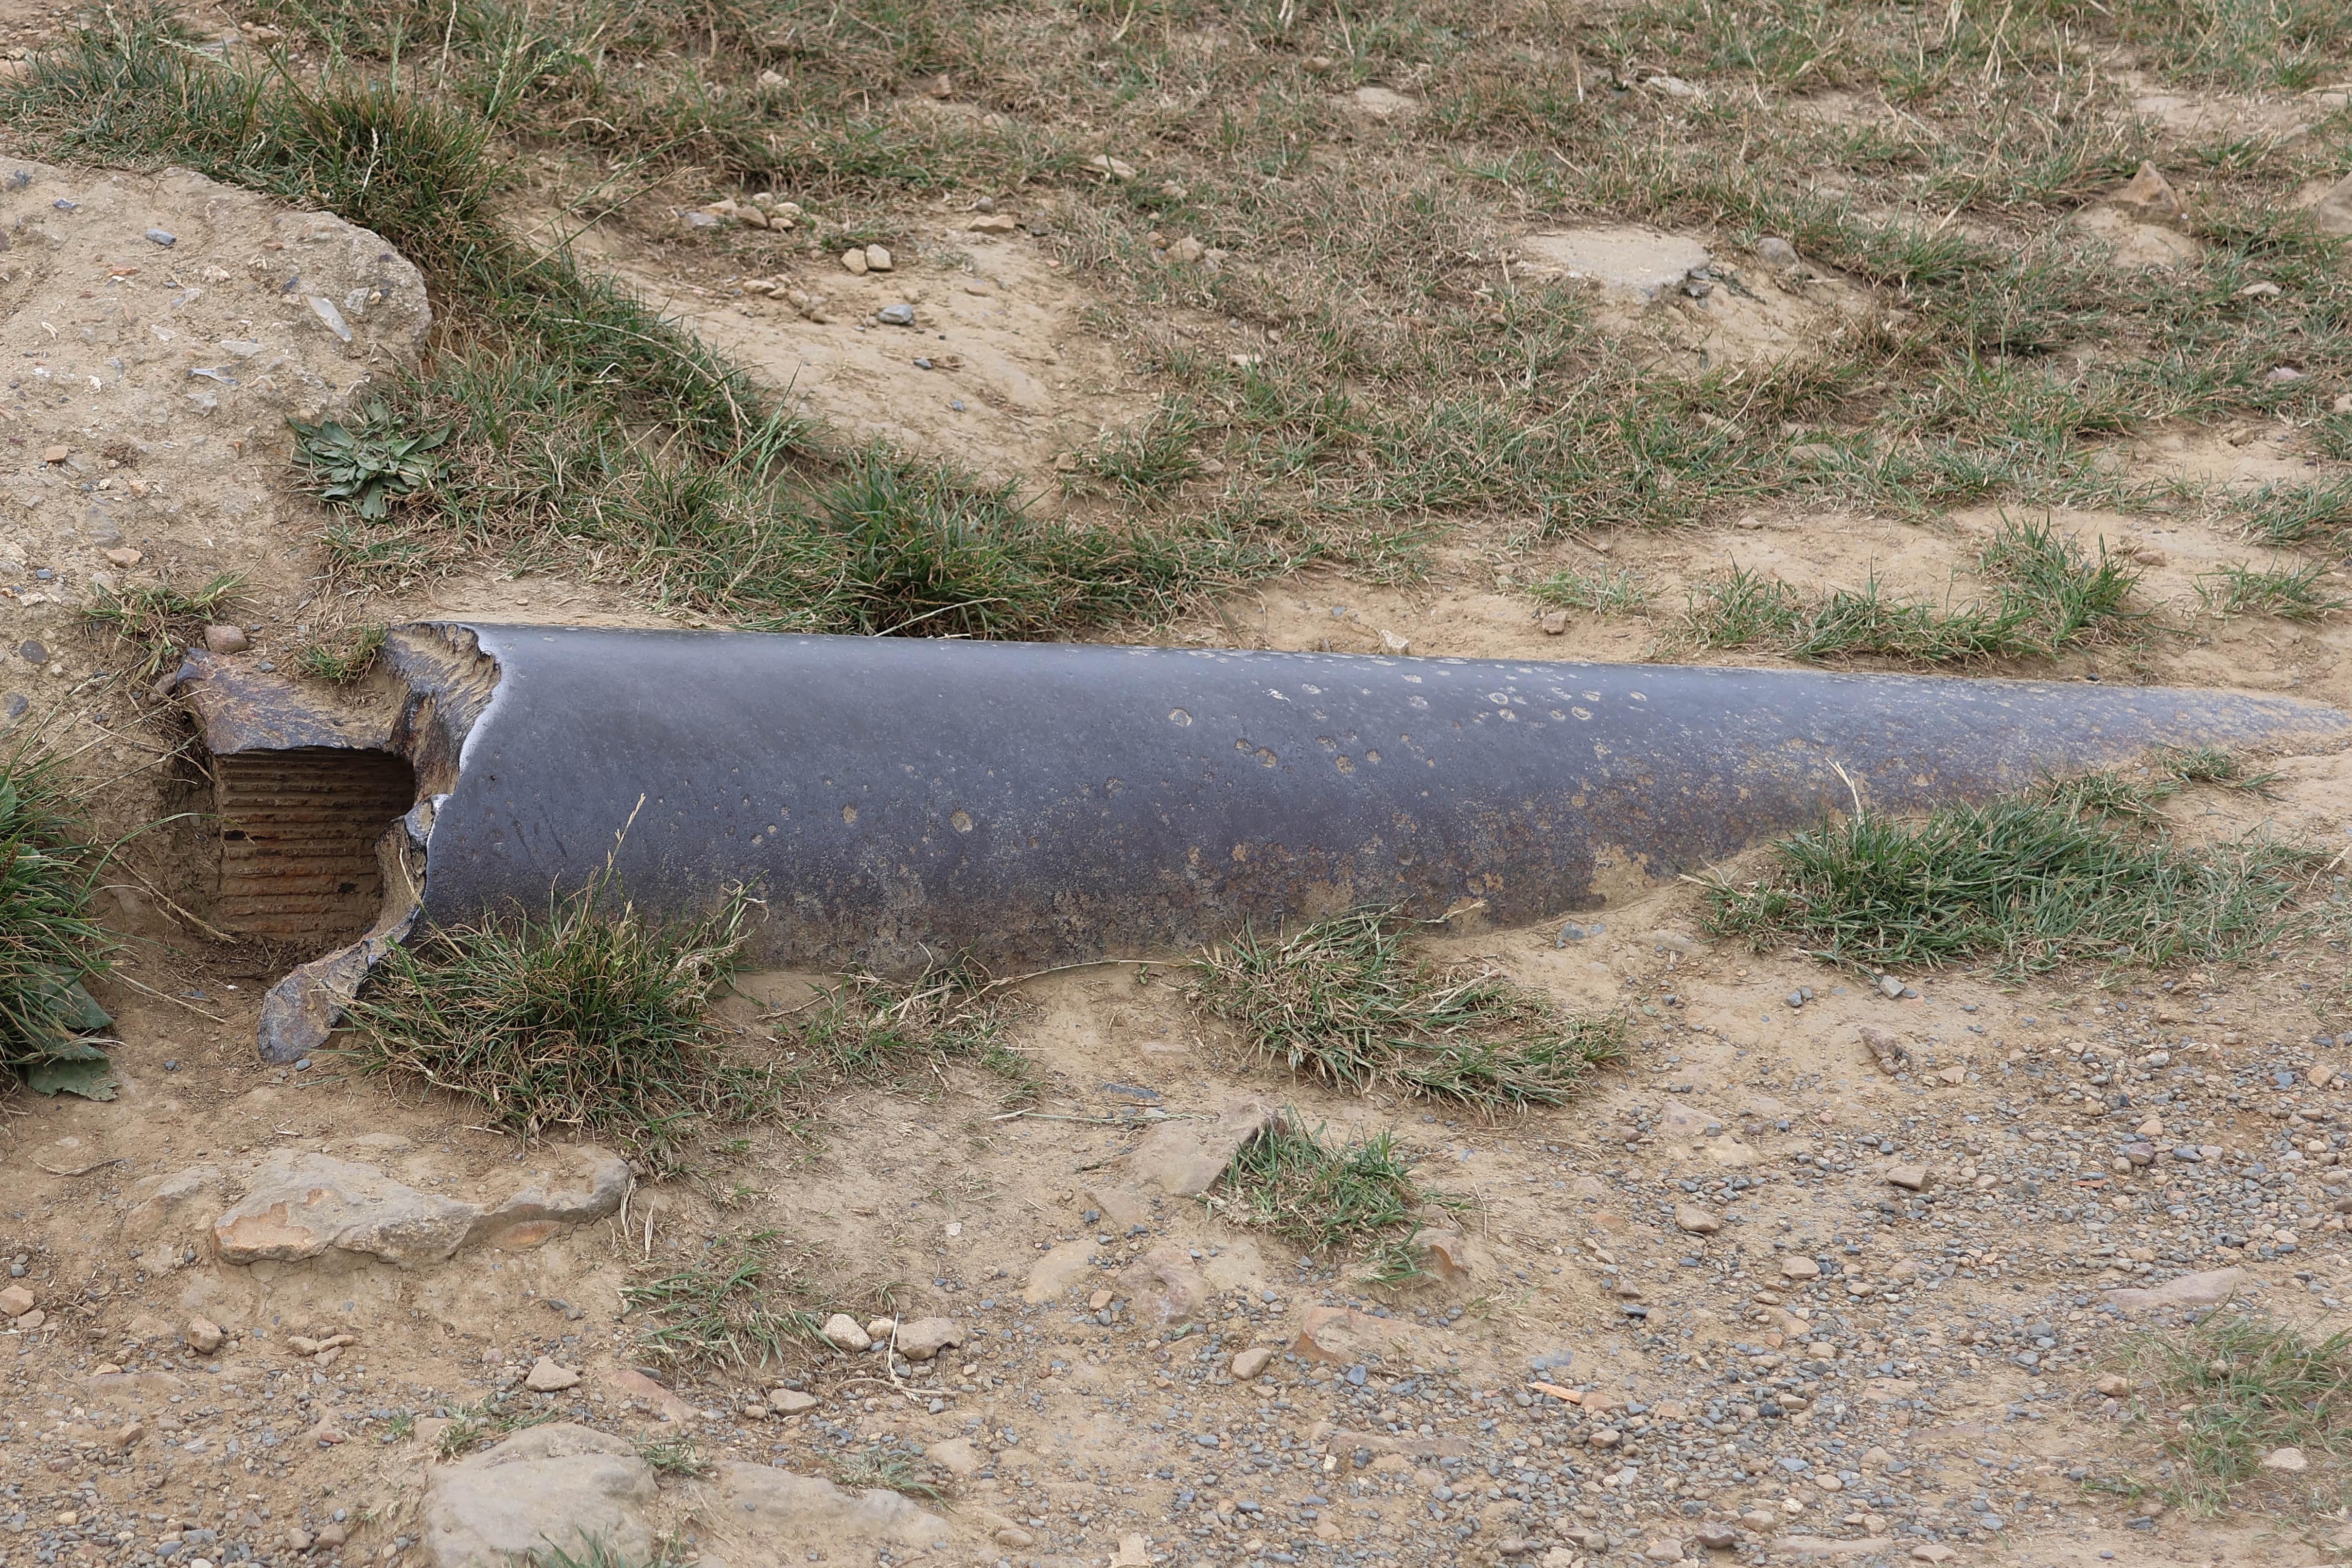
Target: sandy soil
{"points": [[1898, 1369]]}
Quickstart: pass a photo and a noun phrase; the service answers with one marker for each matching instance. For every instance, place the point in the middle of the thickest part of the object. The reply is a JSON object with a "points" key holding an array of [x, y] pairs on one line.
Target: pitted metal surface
{"points": [[897, 802]]}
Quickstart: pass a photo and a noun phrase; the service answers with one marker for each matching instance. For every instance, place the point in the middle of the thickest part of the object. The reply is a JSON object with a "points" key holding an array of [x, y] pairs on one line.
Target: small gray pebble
{"points": [[164, 237], [898, 315]]}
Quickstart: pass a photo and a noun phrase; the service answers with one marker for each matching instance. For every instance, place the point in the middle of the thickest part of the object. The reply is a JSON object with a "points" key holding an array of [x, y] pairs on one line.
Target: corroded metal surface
{"points": [[897, 800], [239, 708]]}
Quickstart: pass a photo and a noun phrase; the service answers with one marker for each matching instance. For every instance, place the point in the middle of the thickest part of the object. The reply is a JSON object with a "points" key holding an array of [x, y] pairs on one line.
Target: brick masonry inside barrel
{"points": [[297, 836]]}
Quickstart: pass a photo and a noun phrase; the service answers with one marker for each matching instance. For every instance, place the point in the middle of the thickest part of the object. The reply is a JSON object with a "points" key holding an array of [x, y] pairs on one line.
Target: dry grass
{"points": [[2232, 1389], [1324, 1192], [2081, 869], [592, 1018], [1344, 1001]]}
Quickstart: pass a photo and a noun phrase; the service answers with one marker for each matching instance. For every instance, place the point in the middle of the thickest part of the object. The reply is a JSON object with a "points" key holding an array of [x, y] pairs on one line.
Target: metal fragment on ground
{"points": [[895, 802]]}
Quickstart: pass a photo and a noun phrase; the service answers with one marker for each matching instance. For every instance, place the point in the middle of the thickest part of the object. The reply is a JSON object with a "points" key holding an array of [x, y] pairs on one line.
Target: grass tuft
{"points": [[49, 943], [734, 1306], [2212, 766], [2050, 595], [340, 660], [2079, 870], [676, 1458], [1148, 460], [869, 1468], [2234, 1389], [1619, 593], [1343, 1001], [591, 1018], [155, 621], [471, 1426], [2292, 594], [1324, 1194], [2299, 512], [867, 1030]]}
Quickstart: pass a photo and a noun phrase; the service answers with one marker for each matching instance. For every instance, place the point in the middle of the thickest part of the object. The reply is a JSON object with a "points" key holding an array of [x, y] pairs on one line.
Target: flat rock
{"points": [[1344, 1335], [1910, 1178], [2210, 1288], [1631, 265], [1164, 1288], [792, 1401], [1122, 1207], [1383, 103], [760, 1517], [1406, 1444], [547, 1377], [1799, 1268], [927, 1337], [181, 1201], [1695, 1220], [2285, 1460], [1823, 1546], [303, 1205], [844, 1332], [2139, 245], [628, 1383], [1057, 1271], [1252, 1362], [2333, 213], [582, 1184], [957, 1456], [560, 1487], [1185, 1158]]}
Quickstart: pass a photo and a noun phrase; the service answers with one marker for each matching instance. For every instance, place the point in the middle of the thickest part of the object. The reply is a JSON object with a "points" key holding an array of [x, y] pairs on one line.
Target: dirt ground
{"points": [[1751, 1299]]}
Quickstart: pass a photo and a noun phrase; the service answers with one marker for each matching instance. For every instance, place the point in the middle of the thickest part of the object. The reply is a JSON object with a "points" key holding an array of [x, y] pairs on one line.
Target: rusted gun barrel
{"points": [[899, 802]]}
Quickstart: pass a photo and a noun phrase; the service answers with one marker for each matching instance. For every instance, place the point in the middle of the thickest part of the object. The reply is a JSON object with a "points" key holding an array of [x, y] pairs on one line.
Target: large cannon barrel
{"points": [[895, 802]]}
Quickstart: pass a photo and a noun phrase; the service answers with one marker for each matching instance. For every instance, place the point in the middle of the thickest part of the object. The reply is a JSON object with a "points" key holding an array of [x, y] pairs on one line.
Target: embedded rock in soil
{"points": [[766, 1518], [180, 1201], [556, 1488], [2210, 1288], [957, 1456], [1343, 1335], [2333, 214], [1163, 1287], [587, 1189], [1055, 1271], [927, 1337], [1629, 265], [1185, 1158], [303, 1205]]}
